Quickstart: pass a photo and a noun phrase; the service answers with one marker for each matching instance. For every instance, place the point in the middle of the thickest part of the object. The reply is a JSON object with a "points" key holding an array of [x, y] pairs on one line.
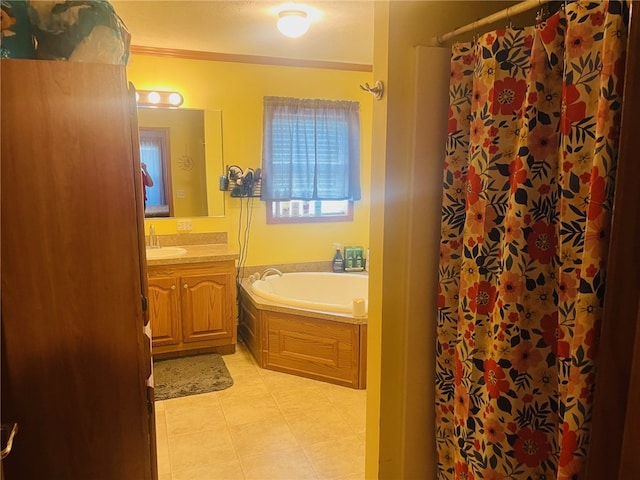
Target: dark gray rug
{"points": [[179, 377]]}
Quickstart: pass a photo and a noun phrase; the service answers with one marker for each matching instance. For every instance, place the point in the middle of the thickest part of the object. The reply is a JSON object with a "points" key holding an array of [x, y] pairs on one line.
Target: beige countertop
{"points": [[216, 252]]}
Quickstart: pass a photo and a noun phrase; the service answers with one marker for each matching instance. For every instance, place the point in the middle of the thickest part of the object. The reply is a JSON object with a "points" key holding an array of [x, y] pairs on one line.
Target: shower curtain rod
{"points": [[509, 12]]}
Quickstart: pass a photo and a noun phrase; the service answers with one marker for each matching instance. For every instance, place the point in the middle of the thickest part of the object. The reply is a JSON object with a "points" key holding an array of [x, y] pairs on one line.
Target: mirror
{"points": [[182, 151]]}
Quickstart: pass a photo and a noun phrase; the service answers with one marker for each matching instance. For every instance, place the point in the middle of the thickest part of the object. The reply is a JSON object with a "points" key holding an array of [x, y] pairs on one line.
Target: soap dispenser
{"points": [[338, 261]]}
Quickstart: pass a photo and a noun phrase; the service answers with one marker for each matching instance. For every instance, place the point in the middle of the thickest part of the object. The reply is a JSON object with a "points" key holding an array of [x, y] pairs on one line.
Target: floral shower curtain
{"points": [[528, 188]]}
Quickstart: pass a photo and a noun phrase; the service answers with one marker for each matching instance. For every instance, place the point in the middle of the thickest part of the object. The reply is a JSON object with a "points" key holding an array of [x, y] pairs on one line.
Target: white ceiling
{"points": [[343, 31]]}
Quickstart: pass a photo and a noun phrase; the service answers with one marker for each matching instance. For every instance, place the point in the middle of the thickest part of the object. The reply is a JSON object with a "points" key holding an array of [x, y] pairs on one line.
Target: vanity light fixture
{"points": [[293, 23], [157, 98]]}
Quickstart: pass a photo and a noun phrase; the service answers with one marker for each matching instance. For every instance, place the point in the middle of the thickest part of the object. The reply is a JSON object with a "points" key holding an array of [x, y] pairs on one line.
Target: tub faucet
{"points": [[153, 238], [270, 270]]}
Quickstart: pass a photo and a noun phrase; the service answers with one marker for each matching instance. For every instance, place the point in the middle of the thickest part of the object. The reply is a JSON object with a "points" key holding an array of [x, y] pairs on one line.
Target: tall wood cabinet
{"points": [[75, 359]]}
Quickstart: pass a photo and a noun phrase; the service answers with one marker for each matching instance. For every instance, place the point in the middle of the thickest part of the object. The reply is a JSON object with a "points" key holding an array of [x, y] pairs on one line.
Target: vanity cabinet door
{"points": [[164, 310], [207, 313]]}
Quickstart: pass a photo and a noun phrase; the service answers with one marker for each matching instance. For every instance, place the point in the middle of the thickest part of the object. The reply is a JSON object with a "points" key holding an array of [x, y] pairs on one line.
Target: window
{"points": [[311, 159], [154, 154], [302, 211]]}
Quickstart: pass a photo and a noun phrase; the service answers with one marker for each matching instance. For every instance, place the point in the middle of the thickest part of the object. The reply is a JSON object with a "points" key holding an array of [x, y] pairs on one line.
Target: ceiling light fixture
{"points": [[157, 98], [293, 23]]}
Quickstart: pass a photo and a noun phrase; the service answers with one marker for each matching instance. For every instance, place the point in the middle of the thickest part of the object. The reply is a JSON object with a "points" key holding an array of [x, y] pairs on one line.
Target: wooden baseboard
{"points": [[221, 350]]}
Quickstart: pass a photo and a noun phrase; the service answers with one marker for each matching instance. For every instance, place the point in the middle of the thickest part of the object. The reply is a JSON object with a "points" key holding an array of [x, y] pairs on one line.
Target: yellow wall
{"points": [[237, 89], [406, 199]]}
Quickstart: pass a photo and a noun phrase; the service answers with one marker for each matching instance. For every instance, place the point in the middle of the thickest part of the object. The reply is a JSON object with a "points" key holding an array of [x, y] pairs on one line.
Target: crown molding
{"points": [[254, 59]]}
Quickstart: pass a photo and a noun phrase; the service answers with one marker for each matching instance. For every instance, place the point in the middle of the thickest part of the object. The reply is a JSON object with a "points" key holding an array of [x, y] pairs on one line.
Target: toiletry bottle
{"points": [[359, 260], [338, 261], [348, 259], [366, 261]]}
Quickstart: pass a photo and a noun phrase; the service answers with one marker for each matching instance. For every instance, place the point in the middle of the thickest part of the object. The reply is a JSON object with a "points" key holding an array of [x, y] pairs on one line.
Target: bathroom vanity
{"points": [[192, 301]]}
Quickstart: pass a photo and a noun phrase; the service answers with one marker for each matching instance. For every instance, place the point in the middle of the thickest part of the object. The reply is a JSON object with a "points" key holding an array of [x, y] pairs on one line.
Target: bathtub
{"points": [[304, 324], [327, 292]]}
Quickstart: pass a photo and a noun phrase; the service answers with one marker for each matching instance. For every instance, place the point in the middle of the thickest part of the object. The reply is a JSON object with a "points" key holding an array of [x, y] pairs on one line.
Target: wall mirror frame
{"points": [[182, 149]]}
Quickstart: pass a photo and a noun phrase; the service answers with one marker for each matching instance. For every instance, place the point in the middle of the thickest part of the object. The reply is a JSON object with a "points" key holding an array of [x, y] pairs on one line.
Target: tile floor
{"points": [[267, 426]]}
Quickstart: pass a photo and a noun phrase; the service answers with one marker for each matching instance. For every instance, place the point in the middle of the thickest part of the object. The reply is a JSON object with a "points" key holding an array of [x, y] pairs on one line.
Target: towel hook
{"points": [[377, 90]]}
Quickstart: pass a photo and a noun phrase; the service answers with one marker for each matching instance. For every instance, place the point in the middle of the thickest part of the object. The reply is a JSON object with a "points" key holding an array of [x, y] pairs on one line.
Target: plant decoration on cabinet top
{"points": [[73, 31]]}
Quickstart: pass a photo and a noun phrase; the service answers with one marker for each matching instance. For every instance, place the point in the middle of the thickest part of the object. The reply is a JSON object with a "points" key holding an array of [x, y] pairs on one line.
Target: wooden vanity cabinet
{"points": [[193, 308]]}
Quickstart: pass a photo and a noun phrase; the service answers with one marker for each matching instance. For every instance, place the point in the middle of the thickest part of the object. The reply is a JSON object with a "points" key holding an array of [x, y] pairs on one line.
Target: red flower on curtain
{"points": [[550, 332], [542, 242], [495, 378], [492, 475], [597, 18], [517, 174], [476, 130], [579, 40], [569, 445], [507, 96], [549, 31], [591, 341], [493, 431], [525, 356], [453, 123], [479, 96], [441, 299], [462, 404], [573, 108], [473, 186], [598, 195], [513, 229], [542, 142], [531, 447], [458, 371], [510, 287], [597, 236], [567, 287], [528, 41], [482, 297], [480, 218], [462, 472]]}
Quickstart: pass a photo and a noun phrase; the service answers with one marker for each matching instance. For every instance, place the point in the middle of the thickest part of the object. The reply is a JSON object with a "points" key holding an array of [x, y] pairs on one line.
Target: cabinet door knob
{"points": [[185, 286], [173, 287]]}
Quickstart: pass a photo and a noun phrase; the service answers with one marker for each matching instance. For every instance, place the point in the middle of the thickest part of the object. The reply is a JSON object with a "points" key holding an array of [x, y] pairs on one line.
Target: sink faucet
{"points": [[153, 238], [270, 270]]}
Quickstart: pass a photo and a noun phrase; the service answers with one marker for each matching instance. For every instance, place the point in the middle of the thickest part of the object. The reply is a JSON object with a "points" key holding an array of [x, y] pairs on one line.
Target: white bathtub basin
{"points": [[328, 292], [164, 252]]}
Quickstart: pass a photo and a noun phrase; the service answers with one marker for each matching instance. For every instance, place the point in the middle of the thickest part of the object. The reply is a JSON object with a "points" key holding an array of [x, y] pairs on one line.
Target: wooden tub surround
{"points": [[317, 345]]}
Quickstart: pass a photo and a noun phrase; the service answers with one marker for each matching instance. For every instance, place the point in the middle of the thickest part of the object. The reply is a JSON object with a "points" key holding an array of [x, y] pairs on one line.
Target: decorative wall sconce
{"points": [[157, 98], [293, 23]]}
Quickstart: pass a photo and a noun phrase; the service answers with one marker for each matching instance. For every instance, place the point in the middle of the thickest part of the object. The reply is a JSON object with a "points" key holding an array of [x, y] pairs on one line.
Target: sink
{"points": [[164, 252]]}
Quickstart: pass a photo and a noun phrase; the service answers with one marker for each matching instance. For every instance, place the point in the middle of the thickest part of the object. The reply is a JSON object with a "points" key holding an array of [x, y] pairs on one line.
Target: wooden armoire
{"points": [[75, 355]]}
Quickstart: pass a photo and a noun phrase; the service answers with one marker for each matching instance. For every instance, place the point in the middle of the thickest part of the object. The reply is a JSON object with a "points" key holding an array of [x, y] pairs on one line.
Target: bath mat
{"points": [[179, 377]]}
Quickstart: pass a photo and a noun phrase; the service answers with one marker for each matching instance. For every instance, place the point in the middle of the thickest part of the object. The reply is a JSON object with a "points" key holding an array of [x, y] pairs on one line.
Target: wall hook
{"points": [[377, 90]]}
